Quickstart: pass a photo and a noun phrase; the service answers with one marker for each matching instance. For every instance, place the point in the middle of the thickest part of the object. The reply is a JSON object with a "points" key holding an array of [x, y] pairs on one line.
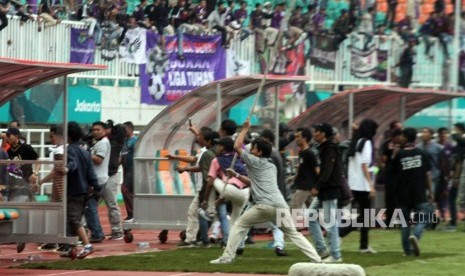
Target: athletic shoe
{"points": [[415, 245], [368, 250], [239, 251], [129, 219], [203, 245], [280, 252], [185, 244], [88, 249], [332, 260], [116, 236], [323, 254], [222, 260]]}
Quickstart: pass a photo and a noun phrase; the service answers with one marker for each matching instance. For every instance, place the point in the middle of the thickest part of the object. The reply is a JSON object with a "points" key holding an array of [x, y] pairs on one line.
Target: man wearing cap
{"points": [[326, 192], [21, 176]]}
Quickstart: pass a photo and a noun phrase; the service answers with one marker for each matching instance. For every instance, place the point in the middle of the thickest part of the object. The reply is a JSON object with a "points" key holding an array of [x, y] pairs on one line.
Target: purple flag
{"points": [[82, 47], [165, 78]]}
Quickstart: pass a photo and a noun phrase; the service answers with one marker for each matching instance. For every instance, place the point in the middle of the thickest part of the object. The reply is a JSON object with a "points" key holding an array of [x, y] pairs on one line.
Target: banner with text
{"points": [[82, 47], [323, 53], [370, 63], [166, 78]]}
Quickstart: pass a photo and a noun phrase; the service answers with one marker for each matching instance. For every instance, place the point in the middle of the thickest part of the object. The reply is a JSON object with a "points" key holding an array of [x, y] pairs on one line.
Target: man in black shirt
{"points": [[308, 169], [22, 177], [412, 168]]}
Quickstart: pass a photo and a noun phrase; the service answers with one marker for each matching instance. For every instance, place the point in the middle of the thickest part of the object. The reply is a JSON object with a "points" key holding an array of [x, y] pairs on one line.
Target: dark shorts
{"points": [[75, 211]]}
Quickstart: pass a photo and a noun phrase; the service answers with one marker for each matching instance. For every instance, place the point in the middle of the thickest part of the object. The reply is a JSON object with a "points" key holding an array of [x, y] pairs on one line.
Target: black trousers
{"points": [[363, 201], [4, 21]]}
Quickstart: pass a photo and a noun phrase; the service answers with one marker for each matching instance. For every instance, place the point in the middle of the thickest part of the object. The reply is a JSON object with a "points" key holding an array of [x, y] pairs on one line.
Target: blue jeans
{"points": [[422, 211], [222, 212], [92, 218], [329, 212], [203, 230]]}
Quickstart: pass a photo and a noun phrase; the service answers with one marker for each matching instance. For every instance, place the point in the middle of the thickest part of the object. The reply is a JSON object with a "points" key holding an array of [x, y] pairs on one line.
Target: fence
{"points": [[23, 41]]}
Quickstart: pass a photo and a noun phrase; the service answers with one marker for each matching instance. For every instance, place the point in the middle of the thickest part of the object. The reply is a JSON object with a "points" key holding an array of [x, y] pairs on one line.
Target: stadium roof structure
{"points": [[168, 129], [380, 103], [19, 75]]}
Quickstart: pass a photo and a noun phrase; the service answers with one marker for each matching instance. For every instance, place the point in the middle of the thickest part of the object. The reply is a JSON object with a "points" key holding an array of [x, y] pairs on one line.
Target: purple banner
{"points": [[166, 78], [82, 47]]}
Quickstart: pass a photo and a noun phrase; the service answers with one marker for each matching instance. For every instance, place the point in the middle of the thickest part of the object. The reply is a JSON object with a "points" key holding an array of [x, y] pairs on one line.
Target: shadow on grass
{"points": [[254, 260]]}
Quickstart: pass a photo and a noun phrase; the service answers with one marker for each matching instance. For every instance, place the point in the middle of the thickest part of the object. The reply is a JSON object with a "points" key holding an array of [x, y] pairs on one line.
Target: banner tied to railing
{"points": [[323, 51], [82, 47], [369, 63], [166, 78]]}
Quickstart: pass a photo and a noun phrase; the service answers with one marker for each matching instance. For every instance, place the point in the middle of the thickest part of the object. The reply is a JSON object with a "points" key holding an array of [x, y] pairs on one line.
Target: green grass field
{"points": [[441, 254]]}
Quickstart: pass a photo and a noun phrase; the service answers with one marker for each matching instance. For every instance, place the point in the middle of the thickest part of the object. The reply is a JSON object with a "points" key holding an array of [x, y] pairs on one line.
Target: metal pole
{"points": [[456, 45], [351, 114], [450, 113], [218, 107], [276, 118], [65, 151]]}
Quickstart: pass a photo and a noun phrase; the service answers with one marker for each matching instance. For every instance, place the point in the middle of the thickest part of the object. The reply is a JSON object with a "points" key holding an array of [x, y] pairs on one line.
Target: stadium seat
{"points": [[184, 183], [8, 214], [164, 184]]}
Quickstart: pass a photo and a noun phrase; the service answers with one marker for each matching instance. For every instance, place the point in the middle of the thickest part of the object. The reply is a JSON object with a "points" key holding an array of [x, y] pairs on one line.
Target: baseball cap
{"points": [[325, 128], [13, 130]]}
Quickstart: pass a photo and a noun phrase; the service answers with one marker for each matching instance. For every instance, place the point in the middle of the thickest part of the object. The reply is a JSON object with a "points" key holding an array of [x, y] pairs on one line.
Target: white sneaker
{"points": [[415, 245], [222, 260], [331, 260], [368, 250]]}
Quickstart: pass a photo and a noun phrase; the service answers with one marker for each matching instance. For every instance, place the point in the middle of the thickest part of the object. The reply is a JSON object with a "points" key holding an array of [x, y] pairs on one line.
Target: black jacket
{"points": [[330, 178]]}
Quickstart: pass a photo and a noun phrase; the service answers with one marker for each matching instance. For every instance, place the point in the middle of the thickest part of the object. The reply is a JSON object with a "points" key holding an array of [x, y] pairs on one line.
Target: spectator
{"points": [[365, 27], [295, 34], [341, 28], [414, 183], [391, 12], [158, 14], [193, 25], [90, 11], [139, 12], [46, 14], [100, 154], [127, 162], [241, 16], [406, 63], [4, 8], [81, 182], [256, 25], [360, 180], [22, 177], [216, 21], [326, 193]]}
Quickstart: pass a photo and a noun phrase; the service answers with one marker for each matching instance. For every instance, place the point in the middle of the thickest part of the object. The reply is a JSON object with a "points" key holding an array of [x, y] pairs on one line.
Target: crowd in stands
{"points": [[407, 23]]}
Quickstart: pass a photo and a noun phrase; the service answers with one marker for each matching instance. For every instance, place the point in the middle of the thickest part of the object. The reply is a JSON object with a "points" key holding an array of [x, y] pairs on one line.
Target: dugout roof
{"points": [[168, 130], [17, 75], [380, 103]]}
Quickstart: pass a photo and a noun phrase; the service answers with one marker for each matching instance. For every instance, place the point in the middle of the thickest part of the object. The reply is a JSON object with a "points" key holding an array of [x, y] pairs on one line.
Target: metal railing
{"points": [[23, 41]]}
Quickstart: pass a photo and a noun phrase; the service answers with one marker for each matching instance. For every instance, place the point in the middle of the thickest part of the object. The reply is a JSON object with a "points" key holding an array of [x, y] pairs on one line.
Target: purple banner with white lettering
{"points": [[82, 47], [166, 78]]}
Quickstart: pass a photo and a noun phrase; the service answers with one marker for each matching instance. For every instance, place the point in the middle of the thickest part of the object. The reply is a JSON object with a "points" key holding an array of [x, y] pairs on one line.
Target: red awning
{"points": [[17, 75]]}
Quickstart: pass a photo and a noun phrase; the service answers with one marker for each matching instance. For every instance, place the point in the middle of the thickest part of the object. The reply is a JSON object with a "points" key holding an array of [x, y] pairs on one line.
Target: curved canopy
{"points": [[383, 104], [20, 75], [168, 130]]}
